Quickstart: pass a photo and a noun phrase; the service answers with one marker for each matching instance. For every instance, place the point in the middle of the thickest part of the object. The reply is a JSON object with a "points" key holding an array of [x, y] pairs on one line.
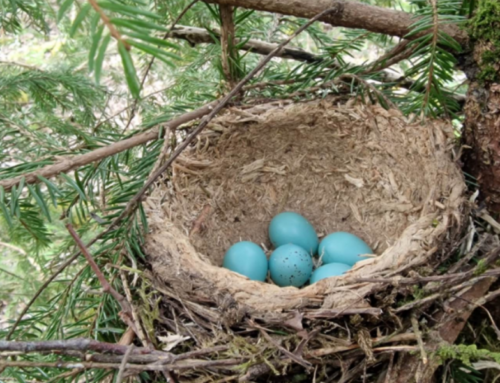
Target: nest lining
{"points": [[351, 167]]}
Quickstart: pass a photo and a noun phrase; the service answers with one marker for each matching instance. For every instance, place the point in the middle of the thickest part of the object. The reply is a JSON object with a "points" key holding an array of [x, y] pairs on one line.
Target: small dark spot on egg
{"points": [[236, 219]]}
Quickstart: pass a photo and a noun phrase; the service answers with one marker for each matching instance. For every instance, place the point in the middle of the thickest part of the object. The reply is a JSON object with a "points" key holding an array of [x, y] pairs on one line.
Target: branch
{"points": [[78, 344], [200, 36], [70, 163], [126, 313], [348, 14], [334, 313], [182, 365]]}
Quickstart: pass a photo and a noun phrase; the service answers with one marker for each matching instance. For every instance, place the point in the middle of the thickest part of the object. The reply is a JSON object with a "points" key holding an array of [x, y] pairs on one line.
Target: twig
{"points": [[397, 54], [488, 218], [22, 65], [397, 281], [418, 335], [289, 354], [12, 247], [468, 256], [74, 162], [140, 333], [126, 314], [123, 364], [219, 106], [369, 86], [77, 344], [334, 313], [128, 107], [200, 36], [183, 365], [389, 369], [64, 375], [61, 268], [407, 337], [105, 19]]}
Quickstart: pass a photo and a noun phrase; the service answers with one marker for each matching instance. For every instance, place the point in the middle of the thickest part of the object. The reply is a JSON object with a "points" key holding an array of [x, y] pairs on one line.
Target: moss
{"points": [[480, 268], [466, 353], [488, 74], [484, 27]]}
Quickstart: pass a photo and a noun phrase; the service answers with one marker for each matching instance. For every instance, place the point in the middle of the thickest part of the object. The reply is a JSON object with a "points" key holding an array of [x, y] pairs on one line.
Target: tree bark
{"points": [[482, 136], [348, 14], [227, 44]]}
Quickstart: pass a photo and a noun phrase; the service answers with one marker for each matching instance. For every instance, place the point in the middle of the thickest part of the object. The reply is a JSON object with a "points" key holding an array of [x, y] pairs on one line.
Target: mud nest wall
{"points": [[350, 167]]}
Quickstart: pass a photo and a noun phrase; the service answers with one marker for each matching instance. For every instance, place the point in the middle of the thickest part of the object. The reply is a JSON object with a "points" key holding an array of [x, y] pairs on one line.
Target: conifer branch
{"points": [[105, 19]]}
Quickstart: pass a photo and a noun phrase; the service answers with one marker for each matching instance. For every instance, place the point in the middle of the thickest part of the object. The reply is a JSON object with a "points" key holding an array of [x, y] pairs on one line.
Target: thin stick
{"points": [[141, 335], [126, 314], [334, 313], [297, 359], [69, 163], [418, 335], [407, 337], [64, 375], [77, 344], [186, 365], [133, 202], [61, 268], [123, 364]]}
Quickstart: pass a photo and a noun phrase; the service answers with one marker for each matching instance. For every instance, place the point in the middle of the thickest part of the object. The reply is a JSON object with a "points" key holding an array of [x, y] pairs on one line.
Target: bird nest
{"points": [[352, 167]]}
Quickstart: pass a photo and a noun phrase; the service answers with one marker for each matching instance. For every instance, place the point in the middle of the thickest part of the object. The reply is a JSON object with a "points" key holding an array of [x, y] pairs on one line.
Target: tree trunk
{"points": [[348, 14], [482, 136], [482, 108]]}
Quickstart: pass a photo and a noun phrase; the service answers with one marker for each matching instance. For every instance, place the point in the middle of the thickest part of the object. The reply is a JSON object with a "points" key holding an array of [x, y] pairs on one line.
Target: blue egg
{"points": [[292, 228], [329, 270], [341, 247], [290, 265], [248, 259]]}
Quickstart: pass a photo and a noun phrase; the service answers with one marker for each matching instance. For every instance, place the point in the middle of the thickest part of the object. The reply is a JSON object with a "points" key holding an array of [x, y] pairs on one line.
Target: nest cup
{"points": [[350, 167]]}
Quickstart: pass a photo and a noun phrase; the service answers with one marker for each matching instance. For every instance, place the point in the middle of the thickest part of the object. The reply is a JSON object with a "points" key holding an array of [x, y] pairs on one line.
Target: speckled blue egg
{"points": [[289, 227], [290, 265], [342, 247], [248, 259], [328, 270]]}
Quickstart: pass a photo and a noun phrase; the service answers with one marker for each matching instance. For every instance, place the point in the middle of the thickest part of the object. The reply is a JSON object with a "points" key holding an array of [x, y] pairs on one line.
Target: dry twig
{"points": [[126, 313]]}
